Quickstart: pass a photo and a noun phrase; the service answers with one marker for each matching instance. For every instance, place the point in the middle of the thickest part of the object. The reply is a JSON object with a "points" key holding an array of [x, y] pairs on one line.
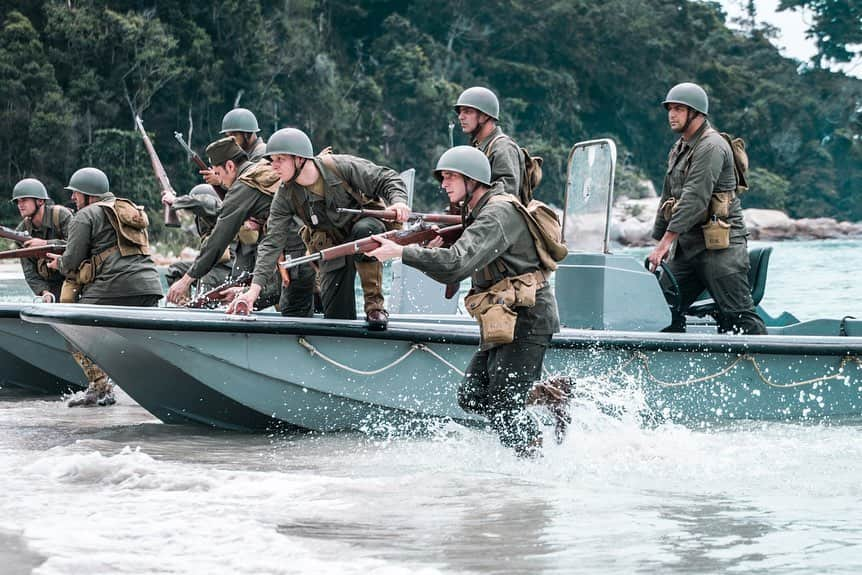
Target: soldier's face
{"points": [[79, 199], [677, 116], [455, 186], [283, 165], [27, 207], [469, 119], [226, 172]]}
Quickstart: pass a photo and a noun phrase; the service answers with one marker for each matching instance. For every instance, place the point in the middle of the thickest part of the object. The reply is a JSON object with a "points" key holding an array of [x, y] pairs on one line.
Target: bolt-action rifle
{"points": [[211, 299], [390, 215], [14, 235], [170, 214], [34, 252], [198, 161]]}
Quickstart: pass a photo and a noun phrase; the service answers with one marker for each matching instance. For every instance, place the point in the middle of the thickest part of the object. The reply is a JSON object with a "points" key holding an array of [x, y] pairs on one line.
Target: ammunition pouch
{"points": [[90, 268], [248, 237], [716, 234], [70, 291], [719, 204], [315, 240], [493, 308], [42, 269]]}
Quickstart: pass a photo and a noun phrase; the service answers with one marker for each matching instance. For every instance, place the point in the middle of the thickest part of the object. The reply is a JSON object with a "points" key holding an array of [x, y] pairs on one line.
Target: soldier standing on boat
{"points": [[44, 222], [203, 202], [108, 252], [478, 112], [699, 224], [312, 189], [250, 190], [510, 295]]}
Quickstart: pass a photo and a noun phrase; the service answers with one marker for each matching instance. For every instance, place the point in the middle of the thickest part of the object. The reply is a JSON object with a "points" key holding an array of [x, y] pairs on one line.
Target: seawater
{"points": [[115, 491]]}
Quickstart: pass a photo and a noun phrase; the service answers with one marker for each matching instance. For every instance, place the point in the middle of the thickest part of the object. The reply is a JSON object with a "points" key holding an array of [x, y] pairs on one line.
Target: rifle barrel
{"points": [[291, 262]]}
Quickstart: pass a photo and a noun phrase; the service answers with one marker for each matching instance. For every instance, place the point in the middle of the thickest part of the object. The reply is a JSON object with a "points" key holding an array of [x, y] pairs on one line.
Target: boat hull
{"points": [[34, 357], [328, 375]]}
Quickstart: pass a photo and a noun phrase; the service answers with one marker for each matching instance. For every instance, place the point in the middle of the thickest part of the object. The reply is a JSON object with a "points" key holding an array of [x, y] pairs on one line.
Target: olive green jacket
{"points": [[91, 233], [46, 232], [321, 213], [694, 172], [507, 161], [240, 203], [496, 237]]}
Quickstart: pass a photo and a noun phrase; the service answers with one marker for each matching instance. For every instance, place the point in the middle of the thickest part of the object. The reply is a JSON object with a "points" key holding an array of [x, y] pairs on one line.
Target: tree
{"points": [[836, 27]]}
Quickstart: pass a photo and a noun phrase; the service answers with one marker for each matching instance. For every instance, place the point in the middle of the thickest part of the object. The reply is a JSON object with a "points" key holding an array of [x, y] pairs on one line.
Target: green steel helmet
{"points": [[690, 95], [289, 141], [467, 161], [90, 182], [480, 98], [239, 120], [202, 197], [29, 188]]}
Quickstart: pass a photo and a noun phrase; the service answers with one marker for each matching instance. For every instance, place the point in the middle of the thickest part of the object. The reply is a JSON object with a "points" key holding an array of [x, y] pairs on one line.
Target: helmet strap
{"points": [[296, 169]]}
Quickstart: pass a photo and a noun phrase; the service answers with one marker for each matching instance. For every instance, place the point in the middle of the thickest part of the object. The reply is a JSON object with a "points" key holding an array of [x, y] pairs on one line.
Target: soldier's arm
{"points": [[703, 173], [376, 181], [31, 276], [279, 226], [480, 244], [236, 207], [505, 165], [77, 244], [660, 224]]}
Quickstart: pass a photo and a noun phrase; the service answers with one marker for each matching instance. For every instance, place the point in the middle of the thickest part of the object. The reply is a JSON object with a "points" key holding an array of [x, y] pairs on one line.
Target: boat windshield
{"points": [[589, 196]]}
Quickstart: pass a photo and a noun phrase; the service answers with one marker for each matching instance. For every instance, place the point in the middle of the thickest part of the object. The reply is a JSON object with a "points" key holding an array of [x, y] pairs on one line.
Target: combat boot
{"points": [[554, 394], [371, 278], [99, 391]]}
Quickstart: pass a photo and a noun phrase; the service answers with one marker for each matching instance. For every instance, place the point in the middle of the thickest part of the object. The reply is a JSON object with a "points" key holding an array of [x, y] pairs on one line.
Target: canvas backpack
{"points": [[740, 162], [545, 227], [532, 176]]}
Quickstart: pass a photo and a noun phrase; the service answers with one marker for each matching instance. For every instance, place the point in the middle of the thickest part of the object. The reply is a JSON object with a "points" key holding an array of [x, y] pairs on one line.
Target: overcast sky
{"points": [[792, 26]]}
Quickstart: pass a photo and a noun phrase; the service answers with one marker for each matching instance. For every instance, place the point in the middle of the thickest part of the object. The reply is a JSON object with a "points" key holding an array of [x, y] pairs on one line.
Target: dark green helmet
{"points": [[201, 199], [467, 161], [480, 98], [90, 182], [29, 188], [239, 120], [690, 95], [289, 141]]}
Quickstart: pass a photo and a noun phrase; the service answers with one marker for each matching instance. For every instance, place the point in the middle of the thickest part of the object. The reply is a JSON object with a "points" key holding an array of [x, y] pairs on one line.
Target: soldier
{"points": [[699, 198], [311, 191], [108, 253], [478, 113], [250, 190], [45, 222], [498, 252], [203, 202]]}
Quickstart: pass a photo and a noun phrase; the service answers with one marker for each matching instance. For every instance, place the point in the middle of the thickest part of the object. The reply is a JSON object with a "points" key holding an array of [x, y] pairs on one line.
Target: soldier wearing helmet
{"points": [[44, 222], [699, 224], [107, 253], [498, 253], [241, 125], [478, 114], [251, 187], [204, 204], [313, 188]]}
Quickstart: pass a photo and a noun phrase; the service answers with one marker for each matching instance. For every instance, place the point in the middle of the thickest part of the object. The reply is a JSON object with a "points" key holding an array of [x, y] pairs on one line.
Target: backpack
{"points": [[545, 227], [740, 162], [532, 176], [130, 222]]}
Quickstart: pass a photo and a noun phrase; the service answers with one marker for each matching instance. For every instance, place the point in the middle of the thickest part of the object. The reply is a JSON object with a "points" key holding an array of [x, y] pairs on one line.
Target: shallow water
{"points": [[115, 491]]}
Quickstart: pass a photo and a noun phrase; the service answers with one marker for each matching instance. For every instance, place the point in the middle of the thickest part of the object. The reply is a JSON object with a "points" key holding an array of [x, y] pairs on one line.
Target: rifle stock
{"points": [[14, 235], [34, 252], [211, 298], [170, 214], [390, 215], [419, 233], [198, 161]]}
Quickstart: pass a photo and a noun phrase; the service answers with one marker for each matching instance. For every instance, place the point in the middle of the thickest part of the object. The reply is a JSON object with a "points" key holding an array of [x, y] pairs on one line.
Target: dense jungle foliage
{"points": [[377, 78]]}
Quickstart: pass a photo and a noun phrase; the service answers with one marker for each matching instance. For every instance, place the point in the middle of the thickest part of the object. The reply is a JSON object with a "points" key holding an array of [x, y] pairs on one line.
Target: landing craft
{"points": [[265, 370]]}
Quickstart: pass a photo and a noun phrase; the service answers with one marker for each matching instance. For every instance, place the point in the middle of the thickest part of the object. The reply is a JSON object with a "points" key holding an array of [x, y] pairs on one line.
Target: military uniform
{"points": [[497, 243], [315, 207], [696, 170], [257, 152], [55, 228], [507, 161]]}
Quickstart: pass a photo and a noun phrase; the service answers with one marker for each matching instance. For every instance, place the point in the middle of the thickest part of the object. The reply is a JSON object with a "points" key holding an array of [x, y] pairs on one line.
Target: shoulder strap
{"points": [[493, 141], [328, 161]]}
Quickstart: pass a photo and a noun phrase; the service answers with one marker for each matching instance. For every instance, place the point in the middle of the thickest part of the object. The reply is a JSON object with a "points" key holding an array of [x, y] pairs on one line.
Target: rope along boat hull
{"points": [[327, 375]]}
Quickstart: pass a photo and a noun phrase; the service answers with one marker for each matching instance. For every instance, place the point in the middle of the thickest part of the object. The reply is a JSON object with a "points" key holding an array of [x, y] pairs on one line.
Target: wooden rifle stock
{"points": [[198, 161], [390, 215], [418, 233], [34, 252], [170, 214], [14, 235], [210, 299]]}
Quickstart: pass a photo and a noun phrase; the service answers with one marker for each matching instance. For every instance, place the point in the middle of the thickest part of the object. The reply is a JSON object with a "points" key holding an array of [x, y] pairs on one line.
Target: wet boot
{"points": [[100, 391], [371, 278], [530, 450], [554, 394]]}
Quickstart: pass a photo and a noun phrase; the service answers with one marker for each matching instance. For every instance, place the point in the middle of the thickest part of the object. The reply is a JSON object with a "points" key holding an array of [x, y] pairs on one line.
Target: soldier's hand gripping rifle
{"points": [[198, 162], [16, 236], [34, 252], [418, 233], [211, 299], [170, 214], [391, 216]]}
